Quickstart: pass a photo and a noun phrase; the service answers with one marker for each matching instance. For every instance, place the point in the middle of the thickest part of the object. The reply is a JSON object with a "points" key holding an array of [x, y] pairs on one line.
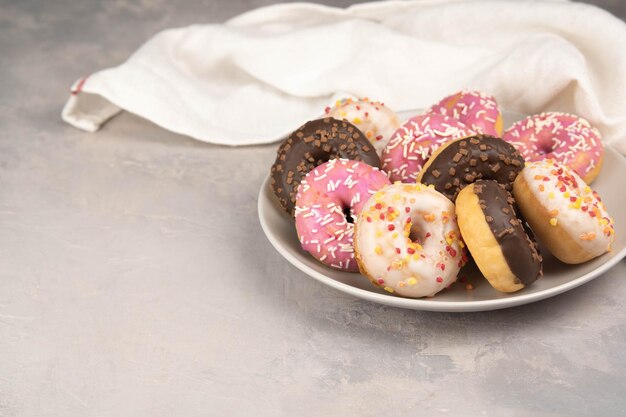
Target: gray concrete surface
{"points": [[135, 279]]}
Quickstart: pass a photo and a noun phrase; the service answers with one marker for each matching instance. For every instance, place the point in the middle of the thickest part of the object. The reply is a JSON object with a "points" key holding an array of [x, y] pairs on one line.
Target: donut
{"points": [[407, 240], [459, 163], [412, 144], [563, 211], [373, 118], [329, 197], [313, 144], [476, 110], [566, 138], [496, 238]]}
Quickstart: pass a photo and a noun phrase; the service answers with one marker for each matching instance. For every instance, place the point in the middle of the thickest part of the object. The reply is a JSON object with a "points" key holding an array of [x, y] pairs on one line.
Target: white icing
{"points": [[374, 119], [576, 222], [431, 215]]}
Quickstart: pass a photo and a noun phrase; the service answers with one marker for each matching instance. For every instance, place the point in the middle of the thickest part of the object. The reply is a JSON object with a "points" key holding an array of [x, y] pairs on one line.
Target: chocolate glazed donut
{"points": [[501, 244], [314, 143], [459, 163]]}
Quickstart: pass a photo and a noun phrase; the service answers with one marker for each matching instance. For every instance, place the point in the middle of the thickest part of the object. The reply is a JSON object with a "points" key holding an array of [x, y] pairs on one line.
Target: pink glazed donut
{"points": [[413, 143], [478, 111], [324, 196], [566, 138]]}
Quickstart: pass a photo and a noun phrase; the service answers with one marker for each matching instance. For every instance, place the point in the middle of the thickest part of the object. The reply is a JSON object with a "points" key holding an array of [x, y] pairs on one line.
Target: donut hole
{"points": [[347, 213], [416, 234], [545, 147], [540, 149], [322, 159], [321, 156], [419, 231]]}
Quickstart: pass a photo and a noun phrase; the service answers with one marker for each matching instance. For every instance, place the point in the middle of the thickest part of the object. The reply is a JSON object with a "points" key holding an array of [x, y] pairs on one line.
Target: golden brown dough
{"points": [[495, 237]]}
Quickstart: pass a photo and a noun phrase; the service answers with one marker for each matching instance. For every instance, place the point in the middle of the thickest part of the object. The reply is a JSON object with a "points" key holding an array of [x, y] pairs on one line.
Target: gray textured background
{"points": [[135, 279]]}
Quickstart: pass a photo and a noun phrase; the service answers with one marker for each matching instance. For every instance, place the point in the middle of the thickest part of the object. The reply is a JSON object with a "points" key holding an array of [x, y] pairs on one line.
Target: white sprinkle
{"points": [[325, 222]]}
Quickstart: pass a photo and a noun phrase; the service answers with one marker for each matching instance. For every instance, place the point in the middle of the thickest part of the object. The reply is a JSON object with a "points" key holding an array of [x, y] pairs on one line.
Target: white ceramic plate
{"points": [[558, 277]]}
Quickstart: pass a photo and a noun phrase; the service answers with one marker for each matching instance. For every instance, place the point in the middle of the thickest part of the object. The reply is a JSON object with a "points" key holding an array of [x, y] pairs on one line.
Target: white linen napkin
{"points": [[264, 73]]}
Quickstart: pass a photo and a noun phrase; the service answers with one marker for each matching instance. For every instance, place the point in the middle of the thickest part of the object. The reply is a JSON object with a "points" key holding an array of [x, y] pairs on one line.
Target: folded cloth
{"points": [[264, 73]]}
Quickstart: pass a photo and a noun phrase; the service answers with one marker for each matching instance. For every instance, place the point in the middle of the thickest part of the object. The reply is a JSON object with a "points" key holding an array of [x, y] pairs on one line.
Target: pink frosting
{"points": [[474, 109], [415, 141], [563, 137], [323, 195]]}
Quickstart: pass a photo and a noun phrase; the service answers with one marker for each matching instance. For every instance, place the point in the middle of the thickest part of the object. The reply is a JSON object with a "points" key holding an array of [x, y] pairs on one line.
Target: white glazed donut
{"points": [[373, 118], [564, 212], [407, 240]]}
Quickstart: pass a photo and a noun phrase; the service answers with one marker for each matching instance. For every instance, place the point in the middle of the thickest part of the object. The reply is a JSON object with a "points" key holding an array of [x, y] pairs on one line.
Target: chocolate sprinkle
{"points": [[312, 144]]}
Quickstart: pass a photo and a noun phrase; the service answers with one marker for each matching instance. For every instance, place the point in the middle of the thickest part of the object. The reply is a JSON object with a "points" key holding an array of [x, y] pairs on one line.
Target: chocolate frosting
{"points": [[314, 143], [464, 161], [518, 247]]}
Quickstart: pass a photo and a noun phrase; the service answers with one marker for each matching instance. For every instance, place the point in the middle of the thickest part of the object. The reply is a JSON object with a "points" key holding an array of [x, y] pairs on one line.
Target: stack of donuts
{"points": [[409, 204]]}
